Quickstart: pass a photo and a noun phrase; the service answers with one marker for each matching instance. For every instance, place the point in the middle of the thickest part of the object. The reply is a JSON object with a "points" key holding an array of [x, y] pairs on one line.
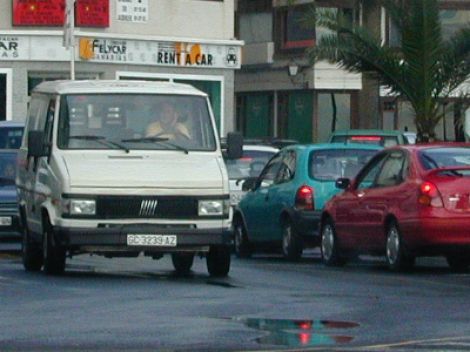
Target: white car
{"points": [[250, 164]]}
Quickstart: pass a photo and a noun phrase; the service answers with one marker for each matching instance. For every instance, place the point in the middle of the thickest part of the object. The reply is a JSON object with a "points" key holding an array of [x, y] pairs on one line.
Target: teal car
{"points": [[384, 138], [283, 205]]}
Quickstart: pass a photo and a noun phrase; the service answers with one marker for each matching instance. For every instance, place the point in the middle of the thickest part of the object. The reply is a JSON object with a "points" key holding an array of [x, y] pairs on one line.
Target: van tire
{"points": [[31, 252], [182, 262], [218, 261], [54, 256]]}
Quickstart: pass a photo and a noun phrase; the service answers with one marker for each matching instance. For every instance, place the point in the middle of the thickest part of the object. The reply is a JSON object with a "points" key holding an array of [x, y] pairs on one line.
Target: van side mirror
{"points": [[36, 147], [234, 145], [342, 183]]}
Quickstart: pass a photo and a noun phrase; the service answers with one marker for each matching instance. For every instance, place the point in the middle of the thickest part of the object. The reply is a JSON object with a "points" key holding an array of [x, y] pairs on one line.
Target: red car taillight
{"points": [[304, 198], [429, 195]]}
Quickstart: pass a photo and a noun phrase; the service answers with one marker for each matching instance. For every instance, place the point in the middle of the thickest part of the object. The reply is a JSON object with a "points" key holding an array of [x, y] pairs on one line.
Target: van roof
{"points": [[115, 86]]}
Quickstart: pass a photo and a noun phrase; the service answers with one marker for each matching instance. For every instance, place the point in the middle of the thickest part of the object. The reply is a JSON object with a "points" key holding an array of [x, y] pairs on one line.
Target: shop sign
{"points": [[159, 53], [11, 48], [134, 11], [106, 50]]}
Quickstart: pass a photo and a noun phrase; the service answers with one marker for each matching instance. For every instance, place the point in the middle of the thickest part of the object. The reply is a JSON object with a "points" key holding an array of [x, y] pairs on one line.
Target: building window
{"points": [[295, 29], [453, 20], [295, 32]]}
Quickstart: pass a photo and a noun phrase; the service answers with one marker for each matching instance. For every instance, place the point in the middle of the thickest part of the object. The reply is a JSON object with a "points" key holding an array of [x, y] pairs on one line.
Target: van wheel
{"points": [[182, 262], [218, 261], [291, 242], [31, 252], [54, 256]]}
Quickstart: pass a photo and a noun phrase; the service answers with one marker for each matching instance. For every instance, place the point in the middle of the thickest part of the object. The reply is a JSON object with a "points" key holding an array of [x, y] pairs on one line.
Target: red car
{"points": [[408, 201]]}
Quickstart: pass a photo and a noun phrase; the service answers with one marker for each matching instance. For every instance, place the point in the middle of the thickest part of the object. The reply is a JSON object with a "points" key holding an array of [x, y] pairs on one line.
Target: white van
{"points": [[91, 179]]}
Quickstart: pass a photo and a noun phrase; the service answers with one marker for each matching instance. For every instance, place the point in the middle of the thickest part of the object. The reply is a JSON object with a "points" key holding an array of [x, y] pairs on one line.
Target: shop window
{"points": [[254, 115], [295, 115]]}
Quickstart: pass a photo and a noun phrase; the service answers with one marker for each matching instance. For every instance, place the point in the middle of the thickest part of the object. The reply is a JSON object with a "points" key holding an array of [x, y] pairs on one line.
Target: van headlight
{"points": [[213, 207], [79, 206]]}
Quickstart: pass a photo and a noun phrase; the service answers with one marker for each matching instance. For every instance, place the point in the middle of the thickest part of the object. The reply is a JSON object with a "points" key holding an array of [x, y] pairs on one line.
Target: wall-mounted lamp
{"points": [[293, 69]]}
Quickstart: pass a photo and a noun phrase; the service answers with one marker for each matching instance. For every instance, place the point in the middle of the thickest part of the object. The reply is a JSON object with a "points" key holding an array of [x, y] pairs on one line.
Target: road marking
{"points": [[415, 342]]}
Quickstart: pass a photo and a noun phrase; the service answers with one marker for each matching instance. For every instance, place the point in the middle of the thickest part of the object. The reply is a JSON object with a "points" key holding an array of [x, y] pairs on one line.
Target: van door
{"points": [[35, 172]]}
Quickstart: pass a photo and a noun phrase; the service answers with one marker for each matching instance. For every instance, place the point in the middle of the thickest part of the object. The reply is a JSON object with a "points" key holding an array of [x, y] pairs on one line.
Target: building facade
{"points": [[280, 93], [189, 41]]}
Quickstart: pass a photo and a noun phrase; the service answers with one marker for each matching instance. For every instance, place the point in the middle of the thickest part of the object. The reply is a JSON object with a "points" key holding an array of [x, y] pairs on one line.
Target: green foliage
{"points": [[423, 70]]}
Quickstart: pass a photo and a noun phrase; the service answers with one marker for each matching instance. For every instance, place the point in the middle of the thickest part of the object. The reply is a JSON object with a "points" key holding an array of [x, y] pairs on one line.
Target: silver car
{"points": [[250, 164]]}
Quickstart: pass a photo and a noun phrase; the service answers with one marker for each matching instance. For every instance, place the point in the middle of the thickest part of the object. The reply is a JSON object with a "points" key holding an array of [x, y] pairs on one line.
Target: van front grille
{"points": [[165, 207]]}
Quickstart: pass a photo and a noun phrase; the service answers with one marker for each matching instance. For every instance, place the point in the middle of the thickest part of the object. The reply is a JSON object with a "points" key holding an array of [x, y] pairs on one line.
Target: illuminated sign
{"points": [[88, 13], [92, 13], [38, 12]]}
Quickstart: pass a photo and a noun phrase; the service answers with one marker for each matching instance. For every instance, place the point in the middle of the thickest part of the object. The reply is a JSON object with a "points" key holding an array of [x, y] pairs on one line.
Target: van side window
{"points": [[36, 111], [49, 122]]}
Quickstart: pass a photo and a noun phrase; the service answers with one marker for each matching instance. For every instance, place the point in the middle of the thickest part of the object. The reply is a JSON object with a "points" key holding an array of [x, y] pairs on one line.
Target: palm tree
{"points": [[423, 70]]}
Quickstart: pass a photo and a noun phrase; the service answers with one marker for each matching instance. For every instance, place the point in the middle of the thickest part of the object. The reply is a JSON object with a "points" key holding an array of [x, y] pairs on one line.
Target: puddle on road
{"points": [[299, 333]]}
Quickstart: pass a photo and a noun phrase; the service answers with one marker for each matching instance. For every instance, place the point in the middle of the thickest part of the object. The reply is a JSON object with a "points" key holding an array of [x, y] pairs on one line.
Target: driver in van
{"points": [[167, 124]]}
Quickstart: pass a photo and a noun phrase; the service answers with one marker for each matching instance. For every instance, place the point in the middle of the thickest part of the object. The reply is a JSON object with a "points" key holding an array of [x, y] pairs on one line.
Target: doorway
{"points": [[5, 94], [3, 97]]}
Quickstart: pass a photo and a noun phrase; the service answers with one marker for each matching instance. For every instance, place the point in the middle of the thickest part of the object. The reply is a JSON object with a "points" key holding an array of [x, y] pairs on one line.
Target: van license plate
{"points": [[151, 240]]}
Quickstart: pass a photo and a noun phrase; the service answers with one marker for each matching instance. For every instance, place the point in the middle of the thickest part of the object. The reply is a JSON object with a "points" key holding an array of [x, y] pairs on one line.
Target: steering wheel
{"points": [[171, 135]]}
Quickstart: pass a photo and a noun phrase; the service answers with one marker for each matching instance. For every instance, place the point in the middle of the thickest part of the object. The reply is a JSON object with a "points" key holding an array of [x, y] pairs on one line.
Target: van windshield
{"points": [[135, 121]]}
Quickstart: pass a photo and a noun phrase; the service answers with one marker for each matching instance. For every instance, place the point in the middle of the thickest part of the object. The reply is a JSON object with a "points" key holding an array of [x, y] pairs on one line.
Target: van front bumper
{"points": [[116, 236]]}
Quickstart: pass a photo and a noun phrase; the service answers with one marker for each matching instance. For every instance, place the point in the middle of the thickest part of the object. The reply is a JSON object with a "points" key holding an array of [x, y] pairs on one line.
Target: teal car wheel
{"points": [[242, 246], [291, 242]]}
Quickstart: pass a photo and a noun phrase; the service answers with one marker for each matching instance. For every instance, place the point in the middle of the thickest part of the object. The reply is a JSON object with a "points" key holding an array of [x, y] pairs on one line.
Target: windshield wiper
{"points": [[160, 140], [102, 140]]}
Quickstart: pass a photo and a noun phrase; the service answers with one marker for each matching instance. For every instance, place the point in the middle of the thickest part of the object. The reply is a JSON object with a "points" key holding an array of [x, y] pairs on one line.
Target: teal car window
{"points": [[268, 175], [287, 168]]}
